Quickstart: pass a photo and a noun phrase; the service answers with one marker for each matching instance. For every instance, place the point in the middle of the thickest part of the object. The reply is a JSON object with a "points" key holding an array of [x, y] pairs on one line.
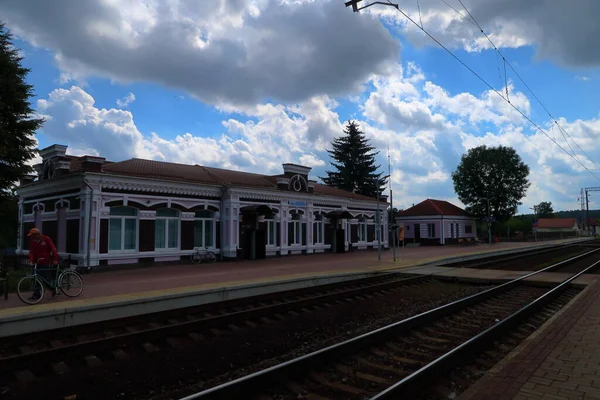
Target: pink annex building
{"points": [[101, 212], [436, 222]]}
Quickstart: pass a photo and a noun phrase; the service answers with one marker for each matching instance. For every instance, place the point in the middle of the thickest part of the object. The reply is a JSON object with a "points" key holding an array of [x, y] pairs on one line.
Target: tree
{"points": [[354, 163], [17, 126], [9, 215], [494, 173], [544, 210]]}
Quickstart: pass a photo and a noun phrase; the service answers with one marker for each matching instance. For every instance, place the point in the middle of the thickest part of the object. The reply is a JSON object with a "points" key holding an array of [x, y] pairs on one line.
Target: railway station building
{"points": [[136, 211]]}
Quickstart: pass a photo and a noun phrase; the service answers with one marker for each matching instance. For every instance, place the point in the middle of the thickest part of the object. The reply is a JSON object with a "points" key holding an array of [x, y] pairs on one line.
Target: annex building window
{"points": [[431, 230], [468, 229], [122, 231], [204, 229], [166, 231]]}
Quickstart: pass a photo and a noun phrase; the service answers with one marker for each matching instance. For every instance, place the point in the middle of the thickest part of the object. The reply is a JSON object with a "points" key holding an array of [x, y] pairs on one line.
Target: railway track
{"points": [[534, 257], [398, 360]]}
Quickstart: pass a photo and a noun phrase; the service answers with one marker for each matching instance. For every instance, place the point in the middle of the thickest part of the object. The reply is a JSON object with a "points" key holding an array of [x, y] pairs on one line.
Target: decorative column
{"points": [[230, 222], [310, 221], [285, 217]]}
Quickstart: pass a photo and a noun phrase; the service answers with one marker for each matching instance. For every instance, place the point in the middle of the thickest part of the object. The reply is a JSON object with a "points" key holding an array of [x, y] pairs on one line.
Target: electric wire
{"points": [[490, 87]]}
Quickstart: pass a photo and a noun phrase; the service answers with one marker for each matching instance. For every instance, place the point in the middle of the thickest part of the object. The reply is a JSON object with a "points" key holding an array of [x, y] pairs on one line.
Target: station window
{"points": [[122, 232], [166, 231], [362, 229], [271, 232], [468, 229], [204, 228], [318, 229], [296, 229]]}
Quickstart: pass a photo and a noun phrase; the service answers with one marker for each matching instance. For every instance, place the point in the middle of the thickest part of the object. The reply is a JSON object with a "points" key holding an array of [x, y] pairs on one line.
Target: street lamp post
{"points": [[534, 208]]}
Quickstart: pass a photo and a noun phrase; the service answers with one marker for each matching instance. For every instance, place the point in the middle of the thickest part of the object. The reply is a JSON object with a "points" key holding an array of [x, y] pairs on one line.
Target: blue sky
{"points": [[272, 82]]}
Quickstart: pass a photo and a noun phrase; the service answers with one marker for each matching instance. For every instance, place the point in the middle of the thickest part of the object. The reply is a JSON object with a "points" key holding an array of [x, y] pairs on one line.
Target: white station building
{"points": [[135, 211]]}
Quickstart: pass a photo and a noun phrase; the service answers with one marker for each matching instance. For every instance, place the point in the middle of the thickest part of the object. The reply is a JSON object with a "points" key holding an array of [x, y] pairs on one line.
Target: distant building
{"points": [[102, 212], [594, 225], [568, 226], [435, 222]]}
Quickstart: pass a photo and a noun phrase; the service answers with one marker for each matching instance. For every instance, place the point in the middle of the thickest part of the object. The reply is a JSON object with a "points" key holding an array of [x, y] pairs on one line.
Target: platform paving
{"points": [[561, 360], [151, 281]]}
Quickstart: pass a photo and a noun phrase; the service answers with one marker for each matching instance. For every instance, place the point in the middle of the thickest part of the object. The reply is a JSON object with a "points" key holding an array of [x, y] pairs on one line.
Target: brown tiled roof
{"points": [[433, 207], [212, 176], [593, 221], [162, 170], [556, 223]]}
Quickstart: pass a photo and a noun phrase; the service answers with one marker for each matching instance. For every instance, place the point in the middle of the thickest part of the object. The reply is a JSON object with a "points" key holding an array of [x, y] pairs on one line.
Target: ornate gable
{"points": [[295, 179]]}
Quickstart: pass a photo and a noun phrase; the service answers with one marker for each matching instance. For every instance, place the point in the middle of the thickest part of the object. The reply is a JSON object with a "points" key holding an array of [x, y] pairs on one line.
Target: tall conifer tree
{"points": [[353, 159], [17, 125]]}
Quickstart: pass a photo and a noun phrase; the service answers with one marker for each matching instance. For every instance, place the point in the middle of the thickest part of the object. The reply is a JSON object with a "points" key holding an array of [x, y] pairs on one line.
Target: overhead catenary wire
{"points": [[490, 86], [564, 133]]}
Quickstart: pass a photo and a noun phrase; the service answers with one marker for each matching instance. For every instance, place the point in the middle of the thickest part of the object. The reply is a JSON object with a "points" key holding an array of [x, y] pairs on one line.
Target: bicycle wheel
{"points": [[26, 289], [196, 258], [211, 257], [70, 283]]}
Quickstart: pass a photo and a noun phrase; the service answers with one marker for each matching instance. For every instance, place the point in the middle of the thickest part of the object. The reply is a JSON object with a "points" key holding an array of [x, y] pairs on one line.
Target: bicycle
{"points": [[68, 281], [206, 256]]}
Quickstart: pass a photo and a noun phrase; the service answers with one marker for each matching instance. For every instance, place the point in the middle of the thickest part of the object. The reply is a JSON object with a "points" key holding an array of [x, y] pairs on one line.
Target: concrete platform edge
{"points": [[30, 320]]}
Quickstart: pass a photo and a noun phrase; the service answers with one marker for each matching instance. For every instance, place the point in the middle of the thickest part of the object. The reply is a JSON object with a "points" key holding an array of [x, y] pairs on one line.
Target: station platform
{"points": [[127, 292], [561, 360]]}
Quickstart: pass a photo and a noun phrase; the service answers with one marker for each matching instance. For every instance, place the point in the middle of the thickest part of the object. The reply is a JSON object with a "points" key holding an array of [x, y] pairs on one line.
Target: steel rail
{"points": [[417, 379], [120, 340], [241, 387]]}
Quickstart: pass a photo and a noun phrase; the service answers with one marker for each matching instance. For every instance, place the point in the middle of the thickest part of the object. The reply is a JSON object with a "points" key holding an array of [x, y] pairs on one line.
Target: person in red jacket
{"points": [[43, 252]]}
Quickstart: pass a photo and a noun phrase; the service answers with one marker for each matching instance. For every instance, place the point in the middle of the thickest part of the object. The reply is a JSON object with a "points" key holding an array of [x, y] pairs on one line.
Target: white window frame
{"points": [[166, 238], [297, 229], [362, 229], [271, 226], [205, 222], [320, 224], [123, 218], [431, 230]]}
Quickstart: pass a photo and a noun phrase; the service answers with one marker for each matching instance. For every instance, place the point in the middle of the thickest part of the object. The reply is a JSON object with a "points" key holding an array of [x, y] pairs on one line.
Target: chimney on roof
{"points": [[27, 179], [54, 162], [92, 163]]}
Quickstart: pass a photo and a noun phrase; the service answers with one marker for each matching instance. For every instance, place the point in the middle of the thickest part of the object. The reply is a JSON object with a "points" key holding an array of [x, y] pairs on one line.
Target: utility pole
{"points": [[587, 209], [393, 217], [489, 223]]}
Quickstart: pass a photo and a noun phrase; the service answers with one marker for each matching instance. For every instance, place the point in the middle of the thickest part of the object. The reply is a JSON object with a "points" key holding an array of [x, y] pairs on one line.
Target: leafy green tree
{"points": [[491, 174], [353, 160], [544, 210], [17, 126]]}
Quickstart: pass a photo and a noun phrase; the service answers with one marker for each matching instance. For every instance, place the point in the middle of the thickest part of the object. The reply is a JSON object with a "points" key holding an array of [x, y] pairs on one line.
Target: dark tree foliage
{"points": [[495, 173], [17, 127], [354, 162], [9, 217], [544, 210]]}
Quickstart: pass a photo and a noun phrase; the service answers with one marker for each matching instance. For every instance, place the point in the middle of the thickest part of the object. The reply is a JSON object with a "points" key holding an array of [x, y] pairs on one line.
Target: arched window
{"points": [[204, 229], [362, 229], [166, 231], [271, 231], [296, 229], [318, 229], [122, 233]]}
